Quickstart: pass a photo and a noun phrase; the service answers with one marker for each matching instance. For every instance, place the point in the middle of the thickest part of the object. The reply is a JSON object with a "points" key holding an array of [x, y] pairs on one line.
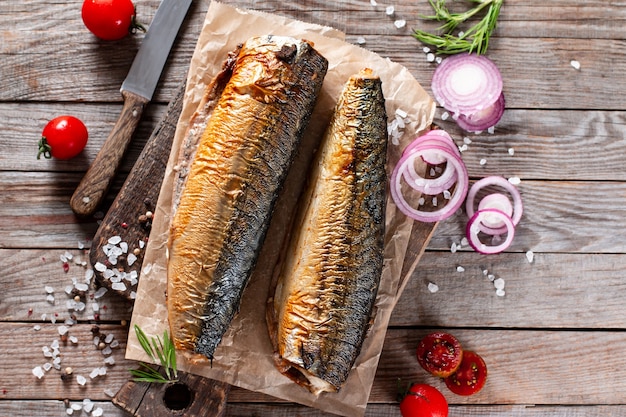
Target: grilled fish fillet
{"points": [[327, 286], [241, 161]]}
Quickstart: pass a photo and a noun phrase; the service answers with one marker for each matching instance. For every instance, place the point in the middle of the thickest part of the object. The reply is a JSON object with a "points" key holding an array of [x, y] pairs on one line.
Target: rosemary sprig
{"points": [[474, 39], [156, 348]]}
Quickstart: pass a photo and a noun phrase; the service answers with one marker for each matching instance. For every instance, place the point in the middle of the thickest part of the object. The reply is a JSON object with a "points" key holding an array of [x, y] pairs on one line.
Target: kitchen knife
{"points": [[137, 90]]}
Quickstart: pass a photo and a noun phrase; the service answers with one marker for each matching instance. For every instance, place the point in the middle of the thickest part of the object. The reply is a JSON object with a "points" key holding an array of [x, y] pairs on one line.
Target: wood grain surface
{"points": [[554, 344]]}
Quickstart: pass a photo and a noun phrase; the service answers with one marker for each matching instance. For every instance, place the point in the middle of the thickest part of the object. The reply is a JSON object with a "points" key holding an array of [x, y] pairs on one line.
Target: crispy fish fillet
{"points": [[326, 289], [242, 159]]}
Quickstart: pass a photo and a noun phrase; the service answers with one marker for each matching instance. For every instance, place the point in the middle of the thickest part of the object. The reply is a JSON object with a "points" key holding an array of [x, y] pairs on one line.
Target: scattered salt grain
{"points": [[131, 259], [132, 295], [430, 57], [464, 242], [36, 327], [95, 307], [500, 292], [426, 49], [109, 392], [74, 340], [50, 298], [141, 244], [118, 286], [498, 283], [107, 351], [76, 407], [511, 151], [62, 330], [432, 287], [88, 405], [81, 287], [114, 344], [94, 373], [400, 23], [483, 161], [491, 130], [390, 10], [100, 267], [109, 338], [445, 115], [360, 40], [515, 180], [467, 140], [99, 292], [81, 380], [447, 195], [463, 148], [114, 240], [69, 411], [575, 64], [47, 366], [454, 247], [530, 256], [49, 289], [109, 360], [38, 372], [373, 3], [460, 269], [97, 412]]}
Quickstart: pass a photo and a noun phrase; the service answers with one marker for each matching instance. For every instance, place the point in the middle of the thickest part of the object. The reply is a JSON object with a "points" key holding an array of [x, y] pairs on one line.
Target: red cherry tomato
{"points": [[440, 354], [63, 137], [471, 375], [109, 19], [423, 400]]}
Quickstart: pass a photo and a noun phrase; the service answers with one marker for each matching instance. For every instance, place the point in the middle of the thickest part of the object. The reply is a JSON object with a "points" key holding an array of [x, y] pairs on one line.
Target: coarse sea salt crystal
{"points": [[47, 366], [460, 269], [88, 405], [142, 244], [99, 292], [38, 372], [74, 340], [390, 10], [97, 412], [109, 338], [77, 407], [50, 298], [575, 64], [511, 151], [81, 287], [69, 411], [94, 373], [62, 330], [483, 161], [360, 40], [530, 256], [36, 327], [114, 240], [454, 247], [500, 292], [109, 360], [131, 259], [400, 23], [81, 380], [114, 344], [107, 351], [49, 289], [515, 180], [498, 283], [100, 267], [432, 287], [430, 57], [118, 286]]}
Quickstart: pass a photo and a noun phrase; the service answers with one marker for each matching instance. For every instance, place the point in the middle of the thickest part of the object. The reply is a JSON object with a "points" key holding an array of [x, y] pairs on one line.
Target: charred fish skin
{"points": [[225, 207], [327, 288]]}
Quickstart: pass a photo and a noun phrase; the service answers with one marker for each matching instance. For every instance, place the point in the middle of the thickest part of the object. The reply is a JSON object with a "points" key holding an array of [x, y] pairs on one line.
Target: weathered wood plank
{"points": [[545, 143], [391, 410], [32, 75], [581, 355], [582, 292]]}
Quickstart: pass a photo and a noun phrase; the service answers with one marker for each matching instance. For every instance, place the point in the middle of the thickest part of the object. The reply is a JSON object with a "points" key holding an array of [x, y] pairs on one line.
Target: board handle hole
{"points": [[177, 396]]}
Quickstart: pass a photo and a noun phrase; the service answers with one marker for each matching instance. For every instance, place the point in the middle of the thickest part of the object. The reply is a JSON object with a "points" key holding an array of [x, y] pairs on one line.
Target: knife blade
{"points": [[137, 90]]}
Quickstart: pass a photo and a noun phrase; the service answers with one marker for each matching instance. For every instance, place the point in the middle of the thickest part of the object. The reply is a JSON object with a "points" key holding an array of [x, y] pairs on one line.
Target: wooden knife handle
{"points": [[94, 185]]}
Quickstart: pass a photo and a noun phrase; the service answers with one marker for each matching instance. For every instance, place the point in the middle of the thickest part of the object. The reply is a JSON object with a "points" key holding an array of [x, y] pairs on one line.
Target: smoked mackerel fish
{"points": [[230, 188], [328, 280]]}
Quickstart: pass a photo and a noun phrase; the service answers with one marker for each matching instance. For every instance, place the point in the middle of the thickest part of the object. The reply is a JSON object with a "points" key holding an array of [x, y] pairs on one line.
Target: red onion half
{"points": [[470, 87]]}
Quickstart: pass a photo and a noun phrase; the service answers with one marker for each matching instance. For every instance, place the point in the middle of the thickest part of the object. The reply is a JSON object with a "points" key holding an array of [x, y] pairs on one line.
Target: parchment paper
{"points": [[244, 357]]}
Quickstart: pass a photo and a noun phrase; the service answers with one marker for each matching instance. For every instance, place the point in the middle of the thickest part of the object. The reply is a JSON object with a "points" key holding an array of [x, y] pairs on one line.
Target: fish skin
{"points": [[326, 290], [224, 210]]}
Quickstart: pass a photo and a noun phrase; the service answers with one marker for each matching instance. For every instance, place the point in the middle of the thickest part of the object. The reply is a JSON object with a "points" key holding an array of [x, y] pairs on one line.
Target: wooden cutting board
{"points": [[127, 222]]}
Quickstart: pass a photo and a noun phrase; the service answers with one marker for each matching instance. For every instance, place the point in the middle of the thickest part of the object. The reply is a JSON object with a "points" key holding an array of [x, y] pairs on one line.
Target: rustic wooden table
{"points": [[554, 344]]}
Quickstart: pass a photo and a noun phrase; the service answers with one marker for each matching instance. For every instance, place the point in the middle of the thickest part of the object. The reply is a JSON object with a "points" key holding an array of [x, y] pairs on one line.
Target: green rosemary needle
{"points": [[161, 350], [474, 39]]}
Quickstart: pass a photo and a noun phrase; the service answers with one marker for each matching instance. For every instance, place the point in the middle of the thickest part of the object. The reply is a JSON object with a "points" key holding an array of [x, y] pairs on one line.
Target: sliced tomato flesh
{"points": [[440, 354], [470, 377]]}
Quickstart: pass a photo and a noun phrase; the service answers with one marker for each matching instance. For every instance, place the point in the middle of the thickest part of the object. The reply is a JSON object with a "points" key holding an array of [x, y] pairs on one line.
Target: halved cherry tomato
{"points": [[109, 19], [471, 375], [63, 137], [440, 354], [423, 400]]}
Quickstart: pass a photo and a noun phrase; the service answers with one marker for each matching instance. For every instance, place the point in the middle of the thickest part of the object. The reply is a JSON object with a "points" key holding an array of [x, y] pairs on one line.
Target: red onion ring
{"points": [[483, 119], [466, 83], [501, 182], [473, 229], [457, 197], [497, 201]]}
